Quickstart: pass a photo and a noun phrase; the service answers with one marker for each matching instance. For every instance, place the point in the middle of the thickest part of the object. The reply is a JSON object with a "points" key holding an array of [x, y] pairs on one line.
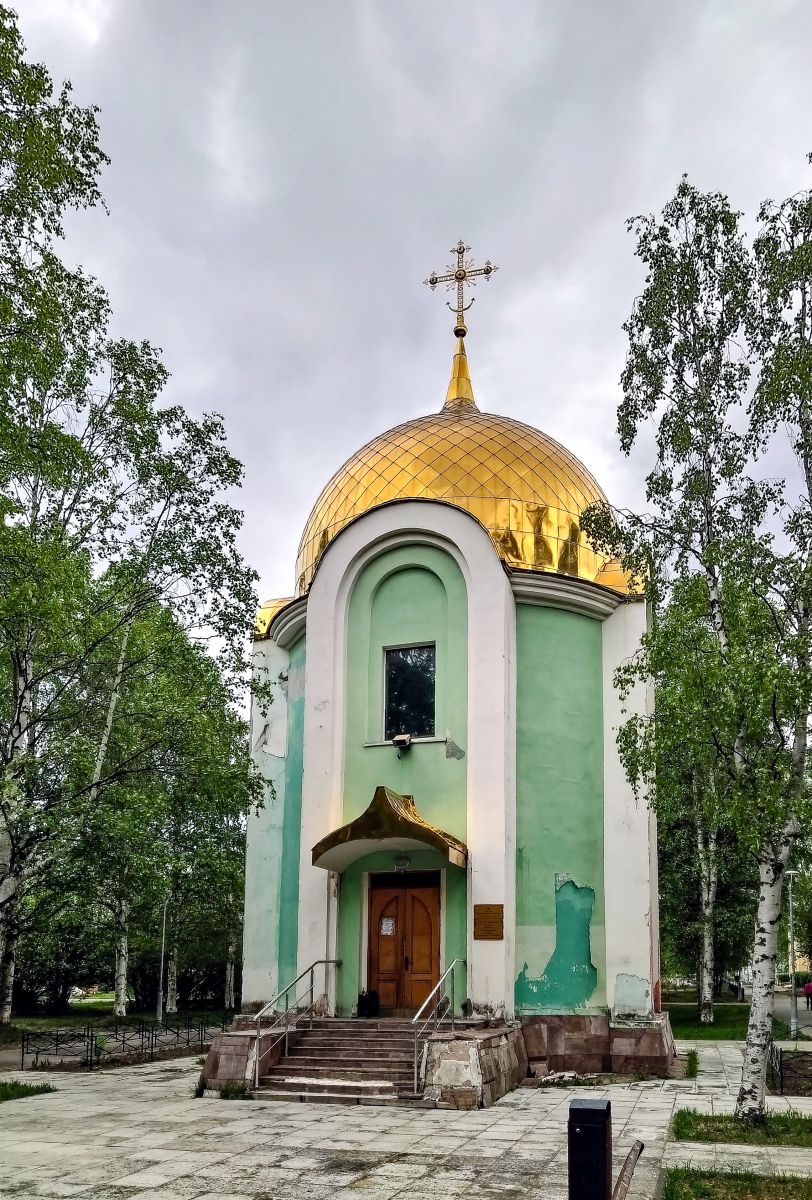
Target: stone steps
{"points": [[348, 1049], [344, 1061], [291, 1081], [270, 1093], [324, 1054], [335, 1069]]}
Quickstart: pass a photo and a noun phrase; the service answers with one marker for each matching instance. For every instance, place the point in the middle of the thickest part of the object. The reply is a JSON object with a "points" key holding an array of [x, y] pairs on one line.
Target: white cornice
{"points": [[289, 623], [557, 591]]}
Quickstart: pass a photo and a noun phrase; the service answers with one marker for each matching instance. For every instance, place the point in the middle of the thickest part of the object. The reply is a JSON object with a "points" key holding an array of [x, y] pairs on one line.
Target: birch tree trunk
{"points": [[229, 993], [8, 956], [101, 753], [750, 1100], [708, 876], [172, 980], [122, 957], [20, 742]]}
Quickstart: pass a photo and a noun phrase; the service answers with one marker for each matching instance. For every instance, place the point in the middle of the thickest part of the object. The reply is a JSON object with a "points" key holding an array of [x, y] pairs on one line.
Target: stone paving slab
{"points": [[136, 1133], [763, 1160]]}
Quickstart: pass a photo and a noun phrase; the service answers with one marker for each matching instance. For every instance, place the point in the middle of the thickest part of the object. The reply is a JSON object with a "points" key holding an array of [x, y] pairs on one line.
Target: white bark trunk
{"points": [[8, 957], [101, 753], [750, 1100], [9, 933], [232, 950], [122, 957], [172, 980], [21, 732], [19, 742], [706, 846]]}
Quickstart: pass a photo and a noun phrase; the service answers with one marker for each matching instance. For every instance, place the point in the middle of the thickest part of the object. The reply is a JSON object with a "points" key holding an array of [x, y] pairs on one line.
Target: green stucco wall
{"points": [[407, 596], [560, 950], [292, 820]]}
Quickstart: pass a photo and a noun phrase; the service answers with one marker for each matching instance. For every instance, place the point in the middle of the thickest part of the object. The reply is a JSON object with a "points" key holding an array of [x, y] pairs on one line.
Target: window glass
{"points": [[409, 703]]}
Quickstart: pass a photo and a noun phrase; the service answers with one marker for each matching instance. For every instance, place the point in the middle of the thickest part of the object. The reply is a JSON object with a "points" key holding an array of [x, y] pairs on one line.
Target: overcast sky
{"points": [[285, 175]]}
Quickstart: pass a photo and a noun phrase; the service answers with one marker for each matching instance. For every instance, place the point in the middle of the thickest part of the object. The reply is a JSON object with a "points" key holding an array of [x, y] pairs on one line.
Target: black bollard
{"points": [[589, 1145]]}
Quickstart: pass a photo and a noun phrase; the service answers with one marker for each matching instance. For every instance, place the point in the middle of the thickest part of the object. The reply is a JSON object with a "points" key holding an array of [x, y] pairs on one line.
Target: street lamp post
{"points": [[793, 1004]]}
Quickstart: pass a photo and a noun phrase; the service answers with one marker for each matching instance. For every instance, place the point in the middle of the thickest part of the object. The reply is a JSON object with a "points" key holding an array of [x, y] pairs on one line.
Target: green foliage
{"points": [[125, 606], [803, 915], [235, 1091], [680, 914], [175, 834], [12, 1089], [65, 945], [692, 1065], [48, 147], [720, 363]]}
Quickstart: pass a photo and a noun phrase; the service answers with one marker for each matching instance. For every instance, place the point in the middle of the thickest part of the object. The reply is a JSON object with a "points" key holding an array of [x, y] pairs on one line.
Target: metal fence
{"points": [[94, 1044], [789, 1071], [775, 1067]]}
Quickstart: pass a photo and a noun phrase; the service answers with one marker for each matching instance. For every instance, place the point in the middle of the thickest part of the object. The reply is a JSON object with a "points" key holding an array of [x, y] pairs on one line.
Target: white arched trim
{"points": [[491, 748]]}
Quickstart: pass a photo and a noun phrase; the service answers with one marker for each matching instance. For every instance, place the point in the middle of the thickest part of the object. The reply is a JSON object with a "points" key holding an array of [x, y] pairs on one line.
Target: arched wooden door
{"points": [[404, 940]]}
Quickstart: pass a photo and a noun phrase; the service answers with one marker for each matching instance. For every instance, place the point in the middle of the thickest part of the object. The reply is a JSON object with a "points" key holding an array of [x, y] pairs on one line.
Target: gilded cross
{"points": [[458, 275]]}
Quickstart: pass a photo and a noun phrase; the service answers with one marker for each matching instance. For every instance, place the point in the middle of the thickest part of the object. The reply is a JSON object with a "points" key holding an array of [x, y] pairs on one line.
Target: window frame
{"points": [[417, 645]]}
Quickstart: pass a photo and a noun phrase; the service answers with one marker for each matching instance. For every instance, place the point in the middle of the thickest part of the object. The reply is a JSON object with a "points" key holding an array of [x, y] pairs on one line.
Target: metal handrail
{"points": [[296, 1012], [435, 1014]]}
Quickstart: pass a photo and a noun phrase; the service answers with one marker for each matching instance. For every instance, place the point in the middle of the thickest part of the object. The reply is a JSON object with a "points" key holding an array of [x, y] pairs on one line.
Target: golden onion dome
{"points": [[526, 489], [266, 614]]}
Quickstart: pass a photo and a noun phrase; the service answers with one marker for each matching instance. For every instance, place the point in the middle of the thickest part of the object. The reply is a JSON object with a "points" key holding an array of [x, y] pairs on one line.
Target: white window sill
{"points": [[414, 742]]}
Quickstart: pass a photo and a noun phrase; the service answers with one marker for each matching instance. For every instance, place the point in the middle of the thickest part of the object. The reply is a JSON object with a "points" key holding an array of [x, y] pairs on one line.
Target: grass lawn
{"points": [[778, 1129], [684, 1183], [10, 1089], [730, 1023]]}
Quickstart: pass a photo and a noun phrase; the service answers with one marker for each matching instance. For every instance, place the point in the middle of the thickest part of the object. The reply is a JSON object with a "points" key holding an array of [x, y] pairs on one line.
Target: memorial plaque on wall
{"points": [[489, 922]]}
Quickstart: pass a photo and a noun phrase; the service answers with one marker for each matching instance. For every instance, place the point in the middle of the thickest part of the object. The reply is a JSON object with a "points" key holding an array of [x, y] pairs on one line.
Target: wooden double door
{"points": [[404, 939]]}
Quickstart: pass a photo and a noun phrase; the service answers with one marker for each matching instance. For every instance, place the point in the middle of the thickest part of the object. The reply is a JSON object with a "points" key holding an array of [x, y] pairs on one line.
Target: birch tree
{"points": [[170, 828], [681, 916], [672, 756], [110, 501], [50, 160], [782, 406], [712, 329]]}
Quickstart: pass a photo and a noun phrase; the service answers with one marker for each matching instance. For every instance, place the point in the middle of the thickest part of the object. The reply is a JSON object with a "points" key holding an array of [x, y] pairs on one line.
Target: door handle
{"points": [[406, 962]]}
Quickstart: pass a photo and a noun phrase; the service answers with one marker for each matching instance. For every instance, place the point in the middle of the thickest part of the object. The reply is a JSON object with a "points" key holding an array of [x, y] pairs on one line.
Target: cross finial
{"points": [[458, 275]]}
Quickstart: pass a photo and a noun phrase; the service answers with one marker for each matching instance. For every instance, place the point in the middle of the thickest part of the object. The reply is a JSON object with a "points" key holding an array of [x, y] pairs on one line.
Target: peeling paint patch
{"points": [[452, 750], [565, 877], [570, 977], [632, 994]]}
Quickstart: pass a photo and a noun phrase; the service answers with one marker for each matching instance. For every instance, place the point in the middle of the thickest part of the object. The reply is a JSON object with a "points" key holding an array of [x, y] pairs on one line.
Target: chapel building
{"points": [[443, 779]]}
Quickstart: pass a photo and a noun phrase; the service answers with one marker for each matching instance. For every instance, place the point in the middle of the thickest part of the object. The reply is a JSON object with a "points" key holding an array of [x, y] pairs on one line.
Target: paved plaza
{"points": [[138, 1134]]}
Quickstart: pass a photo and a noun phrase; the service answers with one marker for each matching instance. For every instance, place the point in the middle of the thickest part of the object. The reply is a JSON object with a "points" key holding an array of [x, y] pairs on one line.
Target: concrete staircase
{"points": [[345, 1061]]}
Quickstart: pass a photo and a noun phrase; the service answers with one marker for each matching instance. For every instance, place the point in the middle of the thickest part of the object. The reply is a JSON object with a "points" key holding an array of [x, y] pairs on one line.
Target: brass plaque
{"points": [[489, 922]]}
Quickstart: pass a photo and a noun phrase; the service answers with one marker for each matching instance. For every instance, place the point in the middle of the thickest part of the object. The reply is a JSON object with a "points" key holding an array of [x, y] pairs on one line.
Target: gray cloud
{"points": [[285, 175]]}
